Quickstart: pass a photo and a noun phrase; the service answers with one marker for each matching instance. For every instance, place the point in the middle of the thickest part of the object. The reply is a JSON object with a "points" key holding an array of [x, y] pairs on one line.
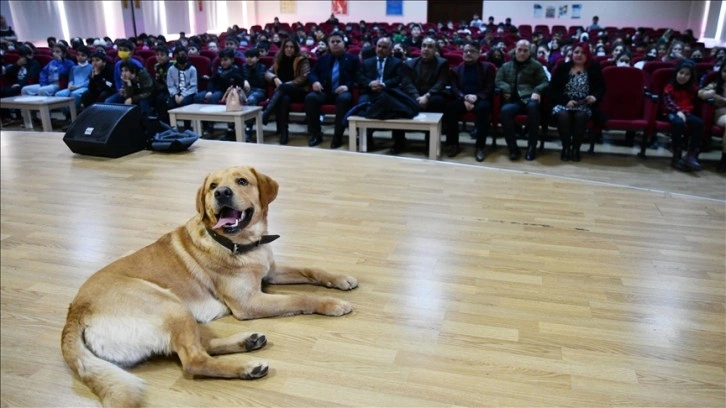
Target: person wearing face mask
{"points": [[650, 55], [400, 51], [78, 79], [600, 51], [181, 81], [624, 59], [125, 50], [309, 41], [496, 57], [697, 55]]}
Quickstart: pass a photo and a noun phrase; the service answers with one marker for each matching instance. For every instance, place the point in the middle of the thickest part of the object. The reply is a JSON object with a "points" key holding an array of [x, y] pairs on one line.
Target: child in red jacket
{"points": [[679, 100]]}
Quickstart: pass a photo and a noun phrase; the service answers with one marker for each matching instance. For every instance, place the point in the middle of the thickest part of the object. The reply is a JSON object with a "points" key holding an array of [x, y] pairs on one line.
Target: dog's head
{"points": [[232, 199]]}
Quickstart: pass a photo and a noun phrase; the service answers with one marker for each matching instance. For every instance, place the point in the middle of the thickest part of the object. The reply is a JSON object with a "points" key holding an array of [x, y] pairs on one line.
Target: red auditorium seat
{"points": [[624, 101]]}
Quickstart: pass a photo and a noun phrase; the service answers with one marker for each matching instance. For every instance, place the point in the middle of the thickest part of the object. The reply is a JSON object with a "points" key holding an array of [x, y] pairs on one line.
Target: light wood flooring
{"points": [[596, 284]]}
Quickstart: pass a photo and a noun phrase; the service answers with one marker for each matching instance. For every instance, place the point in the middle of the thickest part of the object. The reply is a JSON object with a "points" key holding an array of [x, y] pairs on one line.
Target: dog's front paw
{"points": [[255, 370], [254, 342], [334, 307], [343, 282]]}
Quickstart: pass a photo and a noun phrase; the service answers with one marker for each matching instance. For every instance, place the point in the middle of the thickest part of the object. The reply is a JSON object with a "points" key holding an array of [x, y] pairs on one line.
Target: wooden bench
{"points": [[425, 121], [218, 113], [44, 104]]}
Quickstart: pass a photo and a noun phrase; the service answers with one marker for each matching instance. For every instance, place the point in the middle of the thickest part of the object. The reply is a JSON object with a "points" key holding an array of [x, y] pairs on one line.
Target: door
{"points": [[445, 10]]}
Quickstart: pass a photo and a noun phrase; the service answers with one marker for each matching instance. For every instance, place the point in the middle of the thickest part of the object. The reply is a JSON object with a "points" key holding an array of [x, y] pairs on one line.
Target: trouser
{"points": [[695, 127], [482, 109], [314, 100], [510, 110], [437, 103]]}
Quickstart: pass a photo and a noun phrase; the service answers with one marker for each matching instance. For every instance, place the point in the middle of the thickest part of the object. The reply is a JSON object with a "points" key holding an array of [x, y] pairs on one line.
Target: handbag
{"points": [[234, 98]]}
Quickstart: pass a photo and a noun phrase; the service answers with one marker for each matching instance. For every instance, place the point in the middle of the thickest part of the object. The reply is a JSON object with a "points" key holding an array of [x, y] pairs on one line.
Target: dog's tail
{"points": [[112, 384]]}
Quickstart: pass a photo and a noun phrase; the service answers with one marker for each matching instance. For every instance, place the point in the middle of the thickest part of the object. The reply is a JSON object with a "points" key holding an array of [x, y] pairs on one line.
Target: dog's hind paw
{"points": [[335, 307], [255, 342], [343, 282], [255, 370]]}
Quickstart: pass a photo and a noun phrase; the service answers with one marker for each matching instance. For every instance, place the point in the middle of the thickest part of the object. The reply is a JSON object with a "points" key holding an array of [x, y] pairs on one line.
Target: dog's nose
{"points": [[223, 192]]}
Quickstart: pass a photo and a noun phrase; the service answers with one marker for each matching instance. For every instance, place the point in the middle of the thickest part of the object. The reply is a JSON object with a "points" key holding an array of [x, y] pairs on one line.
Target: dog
{"points": [[152, 301]]}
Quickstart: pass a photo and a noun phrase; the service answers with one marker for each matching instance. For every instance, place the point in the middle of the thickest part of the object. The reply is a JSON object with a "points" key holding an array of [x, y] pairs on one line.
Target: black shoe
{"points": [[229, 135], [265, 117], [397, 148], [336, 142], [531, 153], [691, 162], [575, 154], [565, 155], [249, 134], [315, 140], [479, 156], [722, 165], [284, 137], [514, 154], [453, 150]]}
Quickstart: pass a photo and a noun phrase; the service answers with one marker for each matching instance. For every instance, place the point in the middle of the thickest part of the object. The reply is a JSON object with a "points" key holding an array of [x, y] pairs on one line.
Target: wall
{"points": [[319, 11], [656, 14]]}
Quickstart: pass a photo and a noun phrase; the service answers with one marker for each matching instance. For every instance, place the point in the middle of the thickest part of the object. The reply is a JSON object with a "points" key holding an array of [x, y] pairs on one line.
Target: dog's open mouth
{"points": [[233, 220]]}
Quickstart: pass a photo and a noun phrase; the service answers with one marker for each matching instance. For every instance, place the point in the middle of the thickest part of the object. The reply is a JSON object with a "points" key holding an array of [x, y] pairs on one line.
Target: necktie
{"points": [[336, 75], [380, 69]]}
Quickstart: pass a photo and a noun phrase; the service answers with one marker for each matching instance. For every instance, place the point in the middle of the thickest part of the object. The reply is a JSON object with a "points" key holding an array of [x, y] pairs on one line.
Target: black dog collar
{"points": [[237, 248]]}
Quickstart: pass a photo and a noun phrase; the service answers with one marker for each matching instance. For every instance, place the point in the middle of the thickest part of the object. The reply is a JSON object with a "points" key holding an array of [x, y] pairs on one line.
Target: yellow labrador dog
{"points": [[151, 301]]}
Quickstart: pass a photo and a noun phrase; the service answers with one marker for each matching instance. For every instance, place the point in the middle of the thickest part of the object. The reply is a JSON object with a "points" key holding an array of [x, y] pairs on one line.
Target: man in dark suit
{"points": [[472, 86], [425, 79], [377, 74], [332, 82]]}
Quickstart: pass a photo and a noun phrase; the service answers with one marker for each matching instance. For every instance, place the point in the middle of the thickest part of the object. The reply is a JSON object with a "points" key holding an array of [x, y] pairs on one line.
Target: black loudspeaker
{"points": [[107, 130]]}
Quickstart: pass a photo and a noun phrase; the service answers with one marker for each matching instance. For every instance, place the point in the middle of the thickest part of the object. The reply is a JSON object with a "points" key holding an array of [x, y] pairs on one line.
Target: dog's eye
{"points": [[242, 181], [213, 186]]}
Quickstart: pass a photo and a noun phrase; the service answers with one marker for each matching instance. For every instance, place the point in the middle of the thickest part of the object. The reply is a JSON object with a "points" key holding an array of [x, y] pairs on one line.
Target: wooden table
{"points": [[44, 104], [425, 121], [217, 113]]}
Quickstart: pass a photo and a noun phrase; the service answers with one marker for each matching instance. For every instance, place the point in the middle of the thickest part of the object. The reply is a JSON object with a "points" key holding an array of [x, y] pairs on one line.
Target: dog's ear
{"points": [[268, 189], [201, 203]]}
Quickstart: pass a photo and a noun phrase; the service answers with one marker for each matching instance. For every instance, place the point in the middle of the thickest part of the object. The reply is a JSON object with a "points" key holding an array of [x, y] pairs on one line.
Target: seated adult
{"points": [[522, 81], [472, 88], [332, 82], [377, 73], [289, 74], [576, 87], [425, 79]]}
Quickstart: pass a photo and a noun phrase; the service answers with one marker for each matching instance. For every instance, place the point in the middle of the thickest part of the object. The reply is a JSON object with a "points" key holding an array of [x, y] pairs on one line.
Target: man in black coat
{"points": [[472, 86], [332, 81], [379, 73], [425, 79]]}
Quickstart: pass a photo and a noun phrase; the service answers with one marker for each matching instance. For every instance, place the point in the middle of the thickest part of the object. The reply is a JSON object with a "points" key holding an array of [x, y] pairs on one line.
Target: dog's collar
{"points": [[237, 248]]}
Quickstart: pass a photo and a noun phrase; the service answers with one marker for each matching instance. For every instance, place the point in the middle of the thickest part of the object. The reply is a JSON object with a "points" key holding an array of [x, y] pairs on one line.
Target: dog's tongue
{"points": [[228, 216]]}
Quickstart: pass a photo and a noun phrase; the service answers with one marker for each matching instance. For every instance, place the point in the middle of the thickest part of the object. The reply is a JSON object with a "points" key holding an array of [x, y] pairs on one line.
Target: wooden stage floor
{"points": [[479, 286]]}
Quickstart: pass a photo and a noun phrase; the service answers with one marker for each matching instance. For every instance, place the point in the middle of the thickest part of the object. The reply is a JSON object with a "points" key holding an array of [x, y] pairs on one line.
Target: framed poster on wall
{"points": [[340, 7], [287, 6], [394, 7]]}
